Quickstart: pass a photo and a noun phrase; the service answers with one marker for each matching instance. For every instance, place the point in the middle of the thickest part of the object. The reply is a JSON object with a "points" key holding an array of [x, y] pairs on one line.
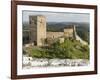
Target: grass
{"points": [[70, 49]]}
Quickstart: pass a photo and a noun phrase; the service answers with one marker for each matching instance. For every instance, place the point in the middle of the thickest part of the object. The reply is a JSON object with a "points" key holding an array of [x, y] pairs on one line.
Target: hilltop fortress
{"points": [[38, 32]]}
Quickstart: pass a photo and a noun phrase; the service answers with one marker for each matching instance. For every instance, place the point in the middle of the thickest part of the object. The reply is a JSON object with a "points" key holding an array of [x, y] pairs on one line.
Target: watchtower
{"points": [[37, 29], [70, 31]]}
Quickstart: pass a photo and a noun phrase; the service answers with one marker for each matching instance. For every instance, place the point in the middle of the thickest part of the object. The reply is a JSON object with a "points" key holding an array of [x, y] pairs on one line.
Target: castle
{"points": [[37, 29], [38, 33]]}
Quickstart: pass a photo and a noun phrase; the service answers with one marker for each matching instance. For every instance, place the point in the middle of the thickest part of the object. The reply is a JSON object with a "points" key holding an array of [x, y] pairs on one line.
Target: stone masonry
{"points": [[38, 33]]}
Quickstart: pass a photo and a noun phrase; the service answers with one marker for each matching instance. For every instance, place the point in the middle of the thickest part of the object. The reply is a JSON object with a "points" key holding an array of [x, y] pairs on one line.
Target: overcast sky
{"points": [[58, 17]]}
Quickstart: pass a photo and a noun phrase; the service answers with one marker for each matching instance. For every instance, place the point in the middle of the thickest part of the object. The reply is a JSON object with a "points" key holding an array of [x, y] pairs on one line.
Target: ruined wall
{"points": [[54, 34], [38, 32], [68, 32]]}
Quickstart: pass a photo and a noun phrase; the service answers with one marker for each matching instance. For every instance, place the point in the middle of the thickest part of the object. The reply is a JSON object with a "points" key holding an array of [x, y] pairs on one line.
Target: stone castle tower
{"points": [[70, 31], [37, 29]]}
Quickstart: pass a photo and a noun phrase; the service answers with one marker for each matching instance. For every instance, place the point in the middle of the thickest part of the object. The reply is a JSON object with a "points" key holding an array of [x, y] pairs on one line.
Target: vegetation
{"points": [[70, 49], [84, 34]]}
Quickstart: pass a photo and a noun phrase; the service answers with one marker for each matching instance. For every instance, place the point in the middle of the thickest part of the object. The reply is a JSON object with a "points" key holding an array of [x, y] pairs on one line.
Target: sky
{"points": [[58, 16]]}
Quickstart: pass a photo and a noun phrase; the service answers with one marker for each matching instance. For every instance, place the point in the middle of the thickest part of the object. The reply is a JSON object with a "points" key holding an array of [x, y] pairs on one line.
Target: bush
{"points": [[67, 50]]}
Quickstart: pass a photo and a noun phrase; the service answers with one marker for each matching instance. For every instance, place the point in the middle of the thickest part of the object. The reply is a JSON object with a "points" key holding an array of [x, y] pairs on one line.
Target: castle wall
{"points": [[54, 34], [33, 28], [68, 32], [38, 32]]}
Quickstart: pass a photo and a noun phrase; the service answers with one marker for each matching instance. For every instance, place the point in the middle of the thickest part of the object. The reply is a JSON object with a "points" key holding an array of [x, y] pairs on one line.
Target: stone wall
{"points": [[38, 32], [54, 34], [41, 30], [37, 29]]}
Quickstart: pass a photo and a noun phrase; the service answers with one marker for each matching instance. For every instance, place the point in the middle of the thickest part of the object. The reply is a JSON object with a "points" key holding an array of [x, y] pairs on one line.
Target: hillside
{"points": [[68, 50]]}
